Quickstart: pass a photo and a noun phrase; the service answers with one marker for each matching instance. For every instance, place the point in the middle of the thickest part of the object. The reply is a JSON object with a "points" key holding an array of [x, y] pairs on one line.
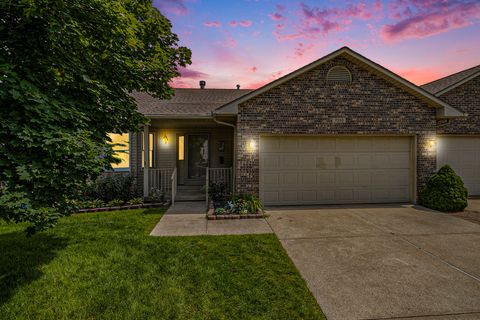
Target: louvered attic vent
{"points": [[339, 74]]}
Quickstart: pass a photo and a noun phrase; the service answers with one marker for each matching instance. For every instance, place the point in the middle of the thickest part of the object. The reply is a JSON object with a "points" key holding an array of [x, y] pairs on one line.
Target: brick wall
{"points": [[308, 104], [465, 98]]}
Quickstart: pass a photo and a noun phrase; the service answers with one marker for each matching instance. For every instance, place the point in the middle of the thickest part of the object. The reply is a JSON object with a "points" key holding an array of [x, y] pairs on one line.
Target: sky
{"points": [[253, 42]]}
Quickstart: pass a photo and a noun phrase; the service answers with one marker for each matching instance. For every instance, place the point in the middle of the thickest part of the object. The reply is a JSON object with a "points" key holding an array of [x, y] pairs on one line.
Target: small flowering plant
{"points": [[242, 204]]}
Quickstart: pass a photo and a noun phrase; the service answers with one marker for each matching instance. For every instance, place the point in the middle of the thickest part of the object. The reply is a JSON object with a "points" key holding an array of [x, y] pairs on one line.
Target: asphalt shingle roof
{"points": [[436, 86], [187, 102]]}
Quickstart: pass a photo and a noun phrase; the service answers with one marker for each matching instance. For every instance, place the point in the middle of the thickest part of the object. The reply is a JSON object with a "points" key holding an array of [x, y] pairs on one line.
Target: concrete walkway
{"points": [[384, 262], [188, 219]]}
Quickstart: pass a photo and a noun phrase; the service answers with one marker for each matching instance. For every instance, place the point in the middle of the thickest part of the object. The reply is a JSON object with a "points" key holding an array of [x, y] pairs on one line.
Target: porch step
{"points": [[190, 193]]}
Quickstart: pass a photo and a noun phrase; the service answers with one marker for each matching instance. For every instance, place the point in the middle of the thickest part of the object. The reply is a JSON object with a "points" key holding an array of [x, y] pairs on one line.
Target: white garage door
{"points": [[463, 155], [334, 170]]}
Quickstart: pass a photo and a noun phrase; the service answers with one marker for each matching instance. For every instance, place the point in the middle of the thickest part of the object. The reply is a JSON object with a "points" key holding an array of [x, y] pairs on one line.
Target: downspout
{"points": [[234, 166]]}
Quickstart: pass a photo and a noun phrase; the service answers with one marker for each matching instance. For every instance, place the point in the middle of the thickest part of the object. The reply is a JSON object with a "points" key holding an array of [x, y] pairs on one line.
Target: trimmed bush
{"points": [[113, 187], [445, 191]]}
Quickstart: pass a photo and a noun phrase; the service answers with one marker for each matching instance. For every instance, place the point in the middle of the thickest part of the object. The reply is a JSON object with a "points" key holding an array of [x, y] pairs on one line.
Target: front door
{"points": [[197, 154]]}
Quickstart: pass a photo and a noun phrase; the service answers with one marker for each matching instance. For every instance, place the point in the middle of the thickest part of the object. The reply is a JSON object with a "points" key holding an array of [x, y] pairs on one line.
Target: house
{"points": [[340, 130]]}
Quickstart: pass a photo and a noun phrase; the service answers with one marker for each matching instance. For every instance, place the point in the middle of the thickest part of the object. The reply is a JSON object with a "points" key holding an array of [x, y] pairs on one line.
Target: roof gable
{"points": [[445, 84], [443, 109]]}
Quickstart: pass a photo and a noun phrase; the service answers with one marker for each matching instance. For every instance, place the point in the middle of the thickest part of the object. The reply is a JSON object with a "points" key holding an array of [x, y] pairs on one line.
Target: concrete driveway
{"points": [[384, 262]]}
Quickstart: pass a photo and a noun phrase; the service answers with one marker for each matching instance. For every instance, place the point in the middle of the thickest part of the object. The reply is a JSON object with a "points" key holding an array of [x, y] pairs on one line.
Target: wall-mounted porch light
{"points": [[251, 145], [165, 139], [431, 144]]}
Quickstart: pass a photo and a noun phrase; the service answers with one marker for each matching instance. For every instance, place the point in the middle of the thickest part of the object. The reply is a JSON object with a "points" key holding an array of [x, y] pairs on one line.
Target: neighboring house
{"points": [[342, 129]]}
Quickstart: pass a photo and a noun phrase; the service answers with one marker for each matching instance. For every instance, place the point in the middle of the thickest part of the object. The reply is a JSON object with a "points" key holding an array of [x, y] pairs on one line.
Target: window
{"points": [[121, 148], [181, 148], [339, 74], [151, 145]]}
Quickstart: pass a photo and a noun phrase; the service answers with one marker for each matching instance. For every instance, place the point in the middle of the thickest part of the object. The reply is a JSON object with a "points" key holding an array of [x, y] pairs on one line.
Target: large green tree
{"points": [[66, 71]]}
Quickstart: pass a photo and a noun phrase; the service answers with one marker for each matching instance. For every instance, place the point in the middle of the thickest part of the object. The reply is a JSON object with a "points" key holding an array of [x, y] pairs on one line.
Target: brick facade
{"points": [[308, 104], [465, 98]]}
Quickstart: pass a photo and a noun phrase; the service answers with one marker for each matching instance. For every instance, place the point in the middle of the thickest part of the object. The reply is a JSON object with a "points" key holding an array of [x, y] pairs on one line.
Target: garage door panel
{"points": [[289, 161], [325, 145], [271, 179], [289, 145], [325, 162], [345, 195], [345, 161], [271, 161], [290, 178], [345, 179], [308, 178], [271, 197], [462, 153], [326, 179], [400, 160], [269, 144], [308, 161], [338, 170]]}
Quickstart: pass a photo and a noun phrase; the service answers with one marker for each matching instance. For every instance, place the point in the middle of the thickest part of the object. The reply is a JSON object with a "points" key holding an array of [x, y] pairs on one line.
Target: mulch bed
{"points": [[126, 207], [472, 216]]}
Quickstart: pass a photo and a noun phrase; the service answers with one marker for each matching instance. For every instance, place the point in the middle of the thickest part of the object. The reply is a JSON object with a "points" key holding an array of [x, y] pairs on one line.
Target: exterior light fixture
{"points": [[165, 139], [252, 145], [431, 144]]}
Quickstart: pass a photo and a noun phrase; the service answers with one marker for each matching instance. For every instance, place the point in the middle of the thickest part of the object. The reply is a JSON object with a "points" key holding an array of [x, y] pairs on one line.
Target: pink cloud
{"points": [[252, 69], [301, 49], [245, 23], [177, 7], [212, 24], [319, 21], [241, 23], [420, 19], [189, 73], [229, 41], [188, 78], [275, 16]]}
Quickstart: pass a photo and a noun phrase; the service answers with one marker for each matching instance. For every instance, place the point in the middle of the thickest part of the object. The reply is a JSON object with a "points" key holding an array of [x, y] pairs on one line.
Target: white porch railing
{"points": [[216, 175], [160, 179]]}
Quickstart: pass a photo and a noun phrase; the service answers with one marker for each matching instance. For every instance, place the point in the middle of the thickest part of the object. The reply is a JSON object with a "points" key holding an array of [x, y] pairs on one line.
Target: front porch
{"points": [[184, 158]]}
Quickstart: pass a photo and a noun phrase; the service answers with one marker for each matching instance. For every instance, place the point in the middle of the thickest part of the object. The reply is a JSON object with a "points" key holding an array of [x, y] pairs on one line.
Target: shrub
{"points": [[117, 186], [445, 191], [157, 195], [115, 203], [91, 204], [135, 201], [217, 191], [220, 211]]}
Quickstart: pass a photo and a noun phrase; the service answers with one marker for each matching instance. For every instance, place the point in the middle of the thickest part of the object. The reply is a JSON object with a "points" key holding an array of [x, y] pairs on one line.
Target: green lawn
{"points": [[105, 265]]}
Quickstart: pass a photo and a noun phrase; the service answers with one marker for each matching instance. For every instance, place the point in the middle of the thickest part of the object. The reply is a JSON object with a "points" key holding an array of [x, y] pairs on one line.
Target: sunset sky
{"points": [[252, 42]]}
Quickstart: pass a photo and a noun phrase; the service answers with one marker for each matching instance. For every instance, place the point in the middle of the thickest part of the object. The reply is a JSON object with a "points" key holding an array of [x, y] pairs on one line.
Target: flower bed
{"points": [[238, 207]]}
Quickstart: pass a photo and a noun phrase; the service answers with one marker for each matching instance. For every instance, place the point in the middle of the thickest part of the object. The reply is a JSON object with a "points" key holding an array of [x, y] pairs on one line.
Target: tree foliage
{"points": [[66, 71]]}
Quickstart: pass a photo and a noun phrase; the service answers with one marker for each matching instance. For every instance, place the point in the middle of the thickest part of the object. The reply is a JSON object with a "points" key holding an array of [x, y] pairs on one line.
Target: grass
{"points": [[106, 266]]}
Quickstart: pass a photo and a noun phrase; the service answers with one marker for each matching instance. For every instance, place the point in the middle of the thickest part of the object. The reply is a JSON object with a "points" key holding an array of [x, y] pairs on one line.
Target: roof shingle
{"points": [[187, 102], [436, 86]]}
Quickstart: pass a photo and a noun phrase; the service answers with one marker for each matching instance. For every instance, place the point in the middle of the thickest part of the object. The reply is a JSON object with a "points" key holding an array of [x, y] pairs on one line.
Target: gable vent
{"points": [[339, 74]]}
